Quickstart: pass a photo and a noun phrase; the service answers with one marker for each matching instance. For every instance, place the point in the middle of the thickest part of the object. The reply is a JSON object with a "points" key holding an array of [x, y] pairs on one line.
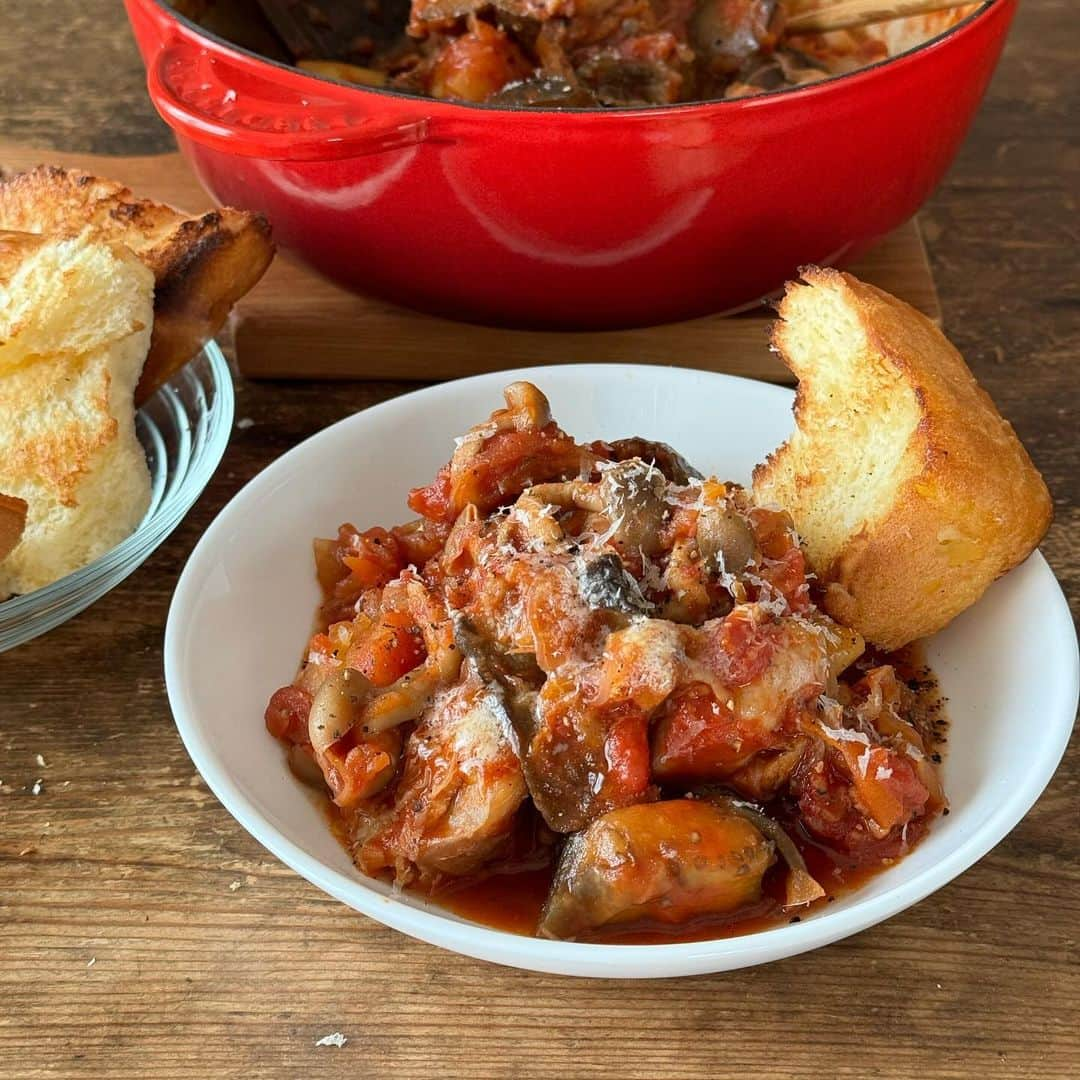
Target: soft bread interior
{"points": [[61, 296], [857, 416], [69, 363]]}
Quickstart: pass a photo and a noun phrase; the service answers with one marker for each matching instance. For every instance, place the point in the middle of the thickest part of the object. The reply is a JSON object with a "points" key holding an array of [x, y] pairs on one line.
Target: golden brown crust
{"points": [[15, 247], [12, 522], [969, 504], [201, 265]]}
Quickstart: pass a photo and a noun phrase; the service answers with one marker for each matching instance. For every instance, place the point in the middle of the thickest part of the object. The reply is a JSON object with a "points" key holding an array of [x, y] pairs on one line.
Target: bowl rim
{"points": [[25, 617], [958, 29], [438, 927]]}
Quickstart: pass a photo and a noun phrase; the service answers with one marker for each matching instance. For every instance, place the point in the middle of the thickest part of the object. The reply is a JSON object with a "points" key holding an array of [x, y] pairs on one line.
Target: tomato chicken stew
{"points": [[588, 669]]}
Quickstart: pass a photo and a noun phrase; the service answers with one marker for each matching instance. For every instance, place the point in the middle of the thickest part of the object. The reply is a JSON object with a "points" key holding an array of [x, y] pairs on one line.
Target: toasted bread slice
{"points": [[12, 522], [75, 324], [910, 491], [201, 265]]}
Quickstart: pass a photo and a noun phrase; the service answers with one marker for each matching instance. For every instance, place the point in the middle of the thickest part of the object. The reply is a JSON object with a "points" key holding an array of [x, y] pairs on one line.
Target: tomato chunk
{"points": [[390, 649], [865, 815], [507, 463], [287, 714], [740, 648], [357, 769], [626, 749]]}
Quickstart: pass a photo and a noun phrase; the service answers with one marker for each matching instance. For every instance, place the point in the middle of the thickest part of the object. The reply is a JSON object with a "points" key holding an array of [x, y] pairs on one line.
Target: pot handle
{"points": [[291, 118]]}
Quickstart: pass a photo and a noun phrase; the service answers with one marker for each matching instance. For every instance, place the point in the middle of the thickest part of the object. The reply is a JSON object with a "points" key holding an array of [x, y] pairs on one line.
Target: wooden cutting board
{"points": [[296, 324]]}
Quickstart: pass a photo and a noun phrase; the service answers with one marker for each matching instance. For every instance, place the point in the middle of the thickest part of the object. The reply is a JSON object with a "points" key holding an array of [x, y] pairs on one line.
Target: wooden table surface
{"points": [[144, 933]]}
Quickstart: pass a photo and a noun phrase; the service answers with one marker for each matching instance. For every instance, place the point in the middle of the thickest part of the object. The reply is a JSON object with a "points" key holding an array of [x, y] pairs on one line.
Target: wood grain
{"points": [[124, 858], [299, 325]]}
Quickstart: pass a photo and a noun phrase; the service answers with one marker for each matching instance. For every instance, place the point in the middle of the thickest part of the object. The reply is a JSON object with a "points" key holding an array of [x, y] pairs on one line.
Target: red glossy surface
{"points": [[573, 219]]}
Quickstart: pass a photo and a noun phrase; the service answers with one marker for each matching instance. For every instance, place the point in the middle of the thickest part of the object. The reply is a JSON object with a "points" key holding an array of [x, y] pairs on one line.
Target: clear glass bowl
{"points": [[184, 429]]}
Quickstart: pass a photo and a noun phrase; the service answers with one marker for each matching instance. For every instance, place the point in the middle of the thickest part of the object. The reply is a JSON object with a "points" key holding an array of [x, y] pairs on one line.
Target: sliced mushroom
{"points": [[628, 503], [335, 709], [724, 538]]}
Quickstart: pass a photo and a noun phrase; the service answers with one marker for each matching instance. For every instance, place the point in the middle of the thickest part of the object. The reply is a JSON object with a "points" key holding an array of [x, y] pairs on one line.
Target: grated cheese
{"points": [[863, 761], [844, 734]]}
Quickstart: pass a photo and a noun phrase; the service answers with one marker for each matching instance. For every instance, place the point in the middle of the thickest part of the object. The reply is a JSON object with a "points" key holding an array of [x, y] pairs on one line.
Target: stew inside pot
{"points": [[558, 53]]}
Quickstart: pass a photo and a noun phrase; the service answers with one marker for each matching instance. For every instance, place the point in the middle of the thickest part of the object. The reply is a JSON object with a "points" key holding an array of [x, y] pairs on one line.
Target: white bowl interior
{"points": [[244, 606]]}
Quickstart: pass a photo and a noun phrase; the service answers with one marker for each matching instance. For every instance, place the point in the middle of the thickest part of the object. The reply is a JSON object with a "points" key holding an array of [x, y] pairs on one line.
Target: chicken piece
{"points": [[459, 792], [667, 862], [867, 785]]}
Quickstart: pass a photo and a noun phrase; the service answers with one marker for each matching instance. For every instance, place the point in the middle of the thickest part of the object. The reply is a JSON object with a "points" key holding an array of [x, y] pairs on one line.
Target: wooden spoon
{"points": [[846, 14]]}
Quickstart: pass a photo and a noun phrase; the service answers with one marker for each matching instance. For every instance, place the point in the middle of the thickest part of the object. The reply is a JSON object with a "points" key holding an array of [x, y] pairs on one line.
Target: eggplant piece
{"points": [[665, 862], [566, 767], [544, 92], [658, 454], [606, 585], [617, 80], [802, 888]]}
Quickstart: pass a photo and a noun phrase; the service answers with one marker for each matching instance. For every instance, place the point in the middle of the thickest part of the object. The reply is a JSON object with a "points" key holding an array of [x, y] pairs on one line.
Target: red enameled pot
{"points": [[584, 219]]}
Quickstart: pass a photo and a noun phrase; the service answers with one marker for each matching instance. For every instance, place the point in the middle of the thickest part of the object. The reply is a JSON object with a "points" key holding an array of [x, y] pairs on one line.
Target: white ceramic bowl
{"points": [[244, 605]]}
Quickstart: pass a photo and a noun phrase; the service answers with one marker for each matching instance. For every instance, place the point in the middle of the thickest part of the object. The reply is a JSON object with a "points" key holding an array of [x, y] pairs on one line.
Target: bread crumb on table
{"points": [[334, 1039]]}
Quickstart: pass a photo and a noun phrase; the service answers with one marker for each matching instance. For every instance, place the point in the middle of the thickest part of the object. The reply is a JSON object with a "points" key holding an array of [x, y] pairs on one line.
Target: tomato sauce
{"points": [[512, 898], [512, 902]]}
